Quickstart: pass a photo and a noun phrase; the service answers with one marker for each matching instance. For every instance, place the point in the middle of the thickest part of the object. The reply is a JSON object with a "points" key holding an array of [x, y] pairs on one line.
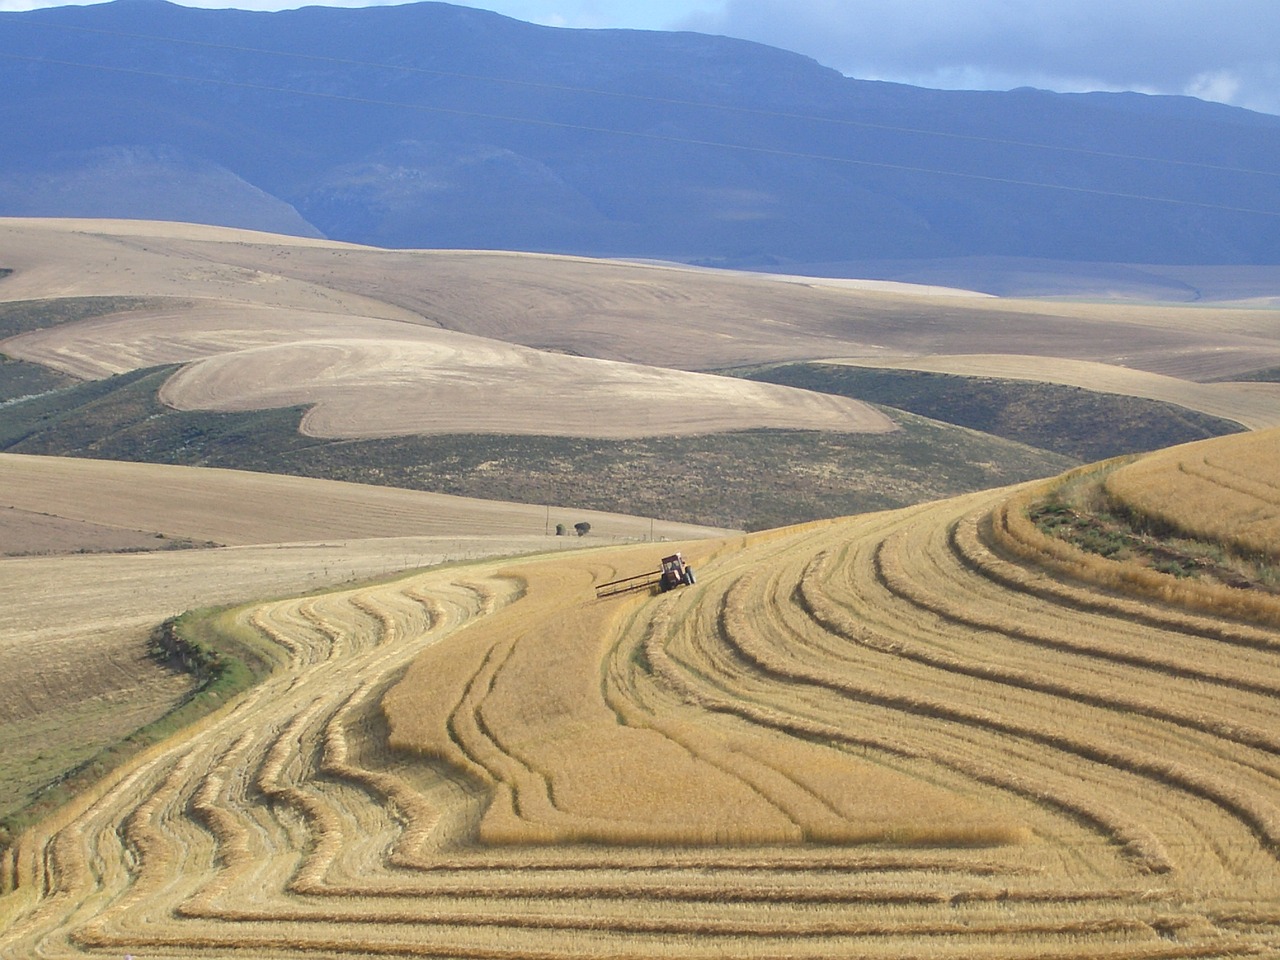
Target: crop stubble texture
{"points": [[886, 736]]}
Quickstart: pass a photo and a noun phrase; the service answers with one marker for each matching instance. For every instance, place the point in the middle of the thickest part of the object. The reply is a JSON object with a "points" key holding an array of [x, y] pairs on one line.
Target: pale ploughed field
{"points": [[906, 734], [386, 343]]}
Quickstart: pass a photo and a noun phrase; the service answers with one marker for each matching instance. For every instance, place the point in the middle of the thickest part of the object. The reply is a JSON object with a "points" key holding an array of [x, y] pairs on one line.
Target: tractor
{"points": [[675, 573]]}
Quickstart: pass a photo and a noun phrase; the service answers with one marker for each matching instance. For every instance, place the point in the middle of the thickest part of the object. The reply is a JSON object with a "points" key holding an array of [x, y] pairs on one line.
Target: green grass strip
{"points": [[226, 658]]}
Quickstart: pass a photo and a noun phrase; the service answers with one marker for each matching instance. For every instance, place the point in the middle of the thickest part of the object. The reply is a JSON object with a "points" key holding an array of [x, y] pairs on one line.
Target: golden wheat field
{"points": [[881, 736], [1231, 494], [75, 675]]}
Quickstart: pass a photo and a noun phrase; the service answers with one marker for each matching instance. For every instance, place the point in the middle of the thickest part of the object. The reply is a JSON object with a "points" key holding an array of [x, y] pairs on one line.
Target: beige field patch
{"points": [[190, 330], [705, 319], [24, 532], [238, 508], [79, 258], [636, 312], [451, 383]]}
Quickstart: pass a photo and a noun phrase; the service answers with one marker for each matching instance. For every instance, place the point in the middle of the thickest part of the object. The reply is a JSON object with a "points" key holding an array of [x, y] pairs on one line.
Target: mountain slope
{"points": [[429, 125]]}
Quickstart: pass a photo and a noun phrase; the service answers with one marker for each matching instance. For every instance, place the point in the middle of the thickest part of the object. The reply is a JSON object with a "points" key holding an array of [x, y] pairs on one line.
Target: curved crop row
{"points": [[899, 735]]}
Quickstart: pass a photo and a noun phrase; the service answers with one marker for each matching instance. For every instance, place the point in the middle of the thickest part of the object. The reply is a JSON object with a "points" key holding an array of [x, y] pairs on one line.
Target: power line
{"points": [[646, 135]]}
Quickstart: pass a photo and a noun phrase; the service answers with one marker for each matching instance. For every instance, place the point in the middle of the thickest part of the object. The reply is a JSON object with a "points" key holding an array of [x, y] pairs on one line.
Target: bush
{"points": [[582, 527]]}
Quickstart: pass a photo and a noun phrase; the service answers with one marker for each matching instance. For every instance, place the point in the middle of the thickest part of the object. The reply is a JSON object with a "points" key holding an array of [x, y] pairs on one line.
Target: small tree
{"points": [[561, 529], [582, 527]]}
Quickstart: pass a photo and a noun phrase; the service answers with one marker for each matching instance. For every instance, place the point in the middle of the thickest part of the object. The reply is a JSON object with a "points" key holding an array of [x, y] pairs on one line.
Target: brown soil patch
{"points": [[26, 533]]}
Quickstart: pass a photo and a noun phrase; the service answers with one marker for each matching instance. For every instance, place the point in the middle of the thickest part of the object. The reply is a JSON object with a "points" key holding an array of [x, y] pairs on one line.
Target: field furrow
{"points": [[887, 736]]}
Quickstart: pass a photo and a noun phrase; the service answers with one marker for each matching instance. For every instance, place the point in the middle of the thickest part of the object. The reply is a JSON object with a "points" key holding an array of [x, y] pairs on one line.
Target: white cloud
{"points": [[1218, 50], [1220, 85]]}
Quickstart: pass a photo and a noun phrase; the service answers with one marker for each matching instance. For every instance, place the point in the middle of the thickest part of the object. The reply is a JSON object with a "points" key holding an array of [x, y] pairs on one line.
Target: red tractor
{"points": [[675, 573]]}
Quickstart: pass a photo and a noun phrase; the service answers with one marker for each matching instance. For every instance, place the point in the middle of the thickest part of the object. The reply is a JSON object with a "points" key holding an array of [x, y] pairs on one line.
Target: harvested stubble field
{"points": [[590, 382], [386, 342], [871, 737], [75, 672]]}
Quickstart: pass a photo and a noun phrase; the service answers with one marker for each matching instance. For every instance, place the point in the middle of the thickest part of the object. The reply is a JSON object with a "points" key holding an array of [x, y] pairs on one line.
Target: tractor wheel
{"points": [[689, 578]]}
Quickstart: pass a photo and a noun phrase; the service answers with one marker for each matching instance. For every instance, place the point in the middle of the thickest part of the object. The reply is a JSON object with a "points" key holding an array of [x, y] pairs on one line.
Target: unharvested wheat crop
{"points": [[1229, 493], [875, 737]]}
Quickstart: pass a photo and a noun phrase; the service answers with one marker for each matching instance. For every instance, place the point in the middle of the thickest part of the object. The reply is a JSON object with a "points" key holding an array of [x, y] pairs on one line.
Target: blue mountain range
{"points": [[432, 125]]}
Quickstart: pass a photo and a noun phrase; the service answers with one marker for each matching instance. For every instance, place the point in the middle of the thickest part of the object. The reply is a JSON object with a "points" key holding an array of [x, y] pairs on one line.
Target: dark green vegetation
{"points": [[223, 657], [21, 379], [20, 316], [753, 479], [1082, 424], [120, 419], [1269, 375]]}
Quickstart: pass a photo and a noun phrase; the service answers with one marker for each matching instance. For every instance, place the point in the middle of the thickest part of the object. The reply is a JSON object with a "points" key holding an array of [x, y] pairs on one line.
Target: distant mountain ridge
{"points": [[431, 125]]}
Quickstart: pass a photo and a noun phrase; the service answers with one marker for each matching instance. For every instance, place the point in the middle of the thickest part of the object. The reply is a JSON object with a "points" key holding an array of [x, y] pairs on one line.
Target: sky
{"points": [[1223, 50]]}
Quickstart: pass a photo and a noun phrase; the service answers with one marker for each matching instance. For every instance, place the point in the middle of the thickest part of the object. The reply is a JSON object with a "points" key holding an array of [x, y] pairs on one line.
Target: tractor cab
{"points": [[675, 573]]}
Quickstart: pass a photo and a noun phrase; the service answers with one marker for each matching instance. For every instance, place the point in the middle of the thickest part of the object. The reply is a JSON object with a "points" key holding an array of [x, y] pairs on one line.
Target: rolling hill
{"points": [[304, 356], [587, 383]]}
